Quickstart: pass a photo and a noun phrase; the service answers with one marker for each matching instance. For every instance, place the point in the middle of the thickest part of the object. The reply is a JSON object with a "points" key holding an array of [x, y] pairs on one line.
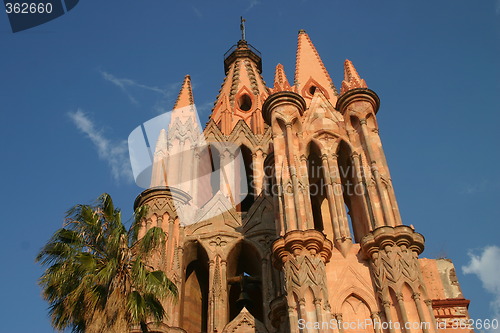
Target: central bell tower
{"points": [[281, 215]]}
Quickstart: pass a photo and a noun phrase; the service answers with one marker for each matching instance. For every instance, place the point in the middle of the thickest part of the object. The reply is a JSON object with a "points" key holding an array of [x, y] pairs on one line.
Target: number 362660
{"points": [[28, 8]]}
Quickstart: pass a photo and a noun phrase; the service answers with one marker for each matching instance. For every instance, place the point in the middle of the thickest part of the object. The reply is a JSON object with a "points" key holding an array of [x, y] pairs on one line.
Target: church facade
{"points": [[281, 216]]}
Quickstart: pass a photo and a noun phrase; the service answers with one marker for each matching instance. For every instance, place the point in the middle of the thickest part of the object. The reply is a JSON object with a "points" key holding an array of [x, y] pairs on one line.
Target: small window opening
{"points": [[245, 102], [312, 90]]}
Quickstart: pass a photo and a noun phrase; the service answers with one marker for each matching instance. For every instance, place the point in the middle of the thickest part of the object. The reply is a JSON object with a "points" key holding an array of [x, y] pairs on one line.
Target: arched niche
{"points": [[396, 313], [246, 185], [195, 289], [353, 192], [208, 178], [355, 310], [244, 276], [410, 307], [318, 191]]}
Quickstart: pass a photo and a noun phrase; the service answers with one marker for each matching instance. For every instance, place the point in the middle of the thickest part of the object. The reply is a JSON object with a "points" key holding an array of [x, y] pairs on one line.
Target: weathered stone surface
{"points": [[318, 240]]}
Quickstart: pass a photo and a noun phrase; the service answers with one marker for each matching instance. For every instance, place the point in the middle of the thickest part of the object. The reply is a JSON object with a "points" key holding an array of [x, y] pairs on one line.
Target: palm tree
{"points": [[98, 278]]}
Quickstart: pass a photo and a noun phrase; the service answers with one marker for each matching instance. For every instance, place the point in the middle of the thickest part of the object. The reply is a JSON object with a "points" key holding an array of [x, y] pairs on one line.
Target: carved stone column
{"points": [[168, 202], [302, 255], [283, 111], [394, 263]]}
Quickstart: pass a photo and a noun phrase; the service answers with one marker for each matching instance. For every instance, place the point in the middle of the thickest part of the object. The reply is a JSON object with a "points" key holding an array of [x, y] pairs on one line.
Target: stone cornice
{"points": [[384, 236], [280, 98], [355, 95], [297, 242], [450, 302], [162, 191]]}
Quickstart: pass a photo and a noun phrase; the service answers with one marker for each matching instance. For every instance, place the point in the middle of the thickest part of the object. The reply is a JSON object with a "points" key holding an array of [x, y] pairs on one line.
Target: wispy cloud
{"points": [[115, 153], [486, 266], [478, 187], [197, 12], [126, 84], [252, 4]]}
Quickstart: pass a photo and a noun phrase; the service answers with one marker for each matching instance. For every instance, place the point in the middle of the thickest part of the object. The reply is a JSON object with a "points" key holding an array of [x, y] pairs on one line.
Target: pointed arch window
{"points": [[318, 192], [208, 177], [195, 290], [246, 182], [215, 165], [352, 192], [244, 276], [316, 185]]}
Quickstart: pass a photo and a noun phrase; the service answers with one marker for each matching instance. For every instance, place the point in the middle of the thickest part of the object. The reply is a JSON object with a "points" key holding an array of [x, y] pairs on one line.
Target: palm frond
{"points": [[152, 240], [97, 272], [139, 215]]}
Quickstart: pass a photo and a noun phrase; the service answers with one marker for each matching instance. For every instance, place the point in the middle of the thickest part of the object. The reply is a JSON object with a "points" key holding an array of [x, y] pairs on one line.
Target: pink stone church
{"points": [[281, 215]]}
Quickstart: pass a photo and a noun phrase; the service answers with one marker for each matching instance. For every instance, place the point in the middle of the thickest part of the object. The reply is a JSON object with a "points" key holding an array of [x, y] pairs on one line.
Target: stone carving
{"points": [[218, 242], [306, 271], [394, 252], [217, 288], [245, 323]]}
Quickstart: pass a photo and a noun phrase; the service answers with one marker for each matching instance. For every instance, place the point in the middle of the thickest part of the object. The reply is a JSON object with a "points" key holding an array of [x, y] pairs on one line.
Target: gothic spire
{"points": [[280, 80], [310, 72], [243, 87], [184, 109], [185, 97], [351, 78], [159, 173]]}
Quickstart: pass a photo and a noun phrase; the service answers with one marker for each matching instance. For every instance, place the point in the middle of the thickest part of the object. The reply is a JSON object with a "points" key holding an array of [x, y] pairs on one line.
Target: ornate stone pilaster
{"points": [[302, 255], [394, 262]]}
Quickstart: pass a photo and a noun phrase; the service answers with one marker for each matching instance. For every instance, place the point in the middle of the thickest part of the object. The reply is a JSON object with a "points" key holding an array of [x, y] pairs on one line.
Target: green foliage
{"points": [[97, 276]]}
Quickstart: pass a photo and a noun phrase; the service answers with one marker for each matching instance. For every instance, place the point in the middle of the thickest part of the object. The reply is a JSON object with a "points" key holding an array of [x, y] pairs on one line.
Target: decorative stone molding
{"points": [[450, 308], [299, 242], [384, 236], [302, 255], [245, 323], [162, 191], [357, 95], [394, 259], [280, 99]]}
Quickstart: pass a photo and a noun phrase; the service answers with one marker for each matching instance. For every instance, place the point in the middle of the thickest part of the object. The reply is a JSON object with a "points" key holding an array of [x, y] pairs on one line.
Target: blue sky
{"points": [[73, 89]]}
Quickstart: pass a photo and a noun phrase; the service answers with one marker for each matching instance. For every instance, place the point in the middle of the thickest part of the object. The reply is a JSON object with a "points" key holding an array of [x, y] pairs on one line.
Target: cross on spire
{"points": [[242, 27]]}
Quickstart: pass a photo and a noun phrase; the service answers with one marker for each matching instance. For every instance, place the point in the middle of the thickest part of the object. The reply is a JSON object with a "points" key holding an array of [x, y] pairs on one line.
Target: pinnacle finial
{"points": [[159, 174], [162, 141], [242, 28], [280, 80], [352, 80], [185, 96]]}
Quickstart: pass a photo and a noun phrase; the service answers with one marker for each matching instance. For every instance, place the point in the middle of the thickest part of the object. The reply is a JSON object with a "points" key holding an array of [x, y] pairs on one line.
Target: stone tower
{"points": [[316, 242]]}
